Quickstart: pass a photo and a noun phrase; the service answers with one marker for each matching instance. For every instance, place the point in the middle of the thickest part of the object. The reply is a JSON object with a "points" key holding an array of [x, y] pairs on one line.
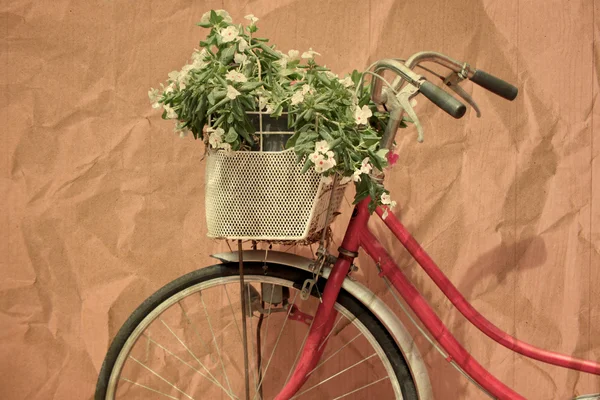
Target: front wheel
{"points": [[185, 342]]}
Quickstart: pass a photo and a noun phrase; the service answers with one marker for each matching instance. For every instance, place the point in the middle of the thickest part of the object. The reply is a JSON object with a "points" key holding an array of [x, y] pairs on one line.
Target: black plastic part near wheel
{"points": [[385, 340]]}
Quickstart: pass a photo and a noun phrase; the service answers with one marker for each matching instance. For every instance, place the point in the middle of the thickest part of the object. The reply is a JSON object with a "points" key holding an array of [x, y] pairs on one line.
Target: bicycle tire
{"points": [[297, 277]]}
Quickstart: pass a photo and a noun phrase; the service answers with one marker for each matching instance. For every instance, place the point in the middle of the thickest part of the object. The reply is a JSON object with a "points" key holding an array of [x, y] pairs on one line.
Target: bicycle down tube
{"points": [[358, 235]]}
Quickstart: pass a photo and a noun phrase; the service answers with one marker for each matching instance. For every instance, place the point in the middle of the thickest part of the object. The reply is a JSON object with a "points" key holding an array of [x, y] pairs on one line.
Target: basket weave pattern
{"points": [[263, 196]]}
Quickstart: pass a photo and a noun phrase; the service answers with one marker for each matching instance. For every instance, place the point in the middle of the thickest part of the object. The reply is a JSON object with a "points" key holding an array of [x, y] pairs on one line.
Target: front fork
{"points": [[326, 314]]}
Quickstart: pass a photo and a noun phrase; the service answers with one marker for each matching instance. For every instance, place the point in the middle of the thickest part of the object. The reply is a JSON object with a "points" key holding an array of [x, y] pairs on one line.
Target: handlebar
{"points": [[442, 99]]}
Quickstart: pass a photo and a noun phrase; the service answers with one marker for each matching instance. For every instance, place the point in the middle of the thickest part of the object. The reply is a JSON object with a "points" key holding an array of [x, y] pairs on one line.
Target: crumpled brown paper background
{"points": [[102, 204]]}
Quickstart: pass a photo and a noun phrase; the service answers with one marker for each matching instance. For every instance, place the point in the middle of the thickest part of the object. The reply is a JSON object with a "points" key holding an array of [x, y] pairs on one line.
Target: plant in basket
{"points": [[236, 75]]}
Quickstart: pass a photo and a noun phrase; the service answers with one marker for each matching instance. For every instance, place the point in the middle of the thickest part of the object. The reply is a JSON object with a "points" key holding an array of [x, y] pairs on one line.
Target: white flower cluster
{"points": [[215, 139], [322, 157]]}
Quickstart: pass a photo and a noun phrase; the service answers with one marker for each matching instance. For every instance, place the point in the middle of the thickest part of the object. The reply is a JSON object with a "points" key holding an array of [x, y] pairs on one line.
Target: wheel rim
{"points": [[219, 342]]}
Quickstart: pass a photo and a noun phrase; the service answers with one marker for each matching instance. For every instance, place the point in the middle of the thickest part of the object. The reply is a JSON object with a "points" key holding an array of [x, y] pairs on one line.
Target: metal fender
{"points": [[404, 340]]}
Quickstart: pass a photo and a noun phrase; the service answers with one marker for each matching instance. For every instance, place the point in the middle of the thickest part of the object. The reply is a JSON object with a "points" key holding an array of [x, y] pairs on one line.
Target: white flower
{"points": [[298, 97], [225, 146], [221, 13], [232, 93], [366, 167], [154, 95], [235, 76], [361, 115], [356, 175], [240, 58], [169, 89], [387, 200], [283, 61], [215, 137], [198, 58], [310, 53], [322, 147], [229, 34], [269, 109], [324, 165], [385, 213], [315, 157], [173, 75], [347, 82], [183, 132], [184, 75], [262, 102], [251, 18], [242, 44], [307, 89], [327, 179], [293, 54], [330, 154], [330, 74], [345, 180], [171, 114]]}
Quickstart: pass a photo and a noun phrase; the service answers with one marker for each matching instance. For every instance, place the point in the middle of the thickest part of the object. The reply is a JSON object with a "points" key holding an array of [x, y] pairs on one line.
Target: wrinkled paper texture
{"points": [[102, 204]]}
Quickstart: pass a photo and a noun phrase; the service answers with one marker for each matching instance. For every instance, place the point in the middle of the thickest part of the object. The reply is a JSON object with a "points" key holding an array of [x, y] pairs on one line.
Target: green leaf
{"points": [[278, 111], [307, 138], [248, 86], [218, 105], [292, 141], [325, 134], [309, 115], [231, 136], [286, 72], [321, 107], [204, 24], [269, 50], [324, 79], [214, 18], [307, 165], [246, 135], [227, 54], [375, 160]]}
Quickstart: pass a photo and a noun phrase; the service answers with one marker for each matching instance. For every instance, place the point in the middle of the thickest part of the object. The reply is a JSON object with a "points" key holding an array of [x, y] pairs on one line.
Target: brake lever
{"points": [[406, 94], [452, 81]]}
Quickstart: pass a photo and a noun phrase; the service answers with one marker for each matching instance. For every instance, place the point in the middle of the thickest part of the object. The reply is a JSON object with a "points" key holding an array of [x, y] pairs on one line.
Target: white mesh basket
{"points": [[255, 195]]}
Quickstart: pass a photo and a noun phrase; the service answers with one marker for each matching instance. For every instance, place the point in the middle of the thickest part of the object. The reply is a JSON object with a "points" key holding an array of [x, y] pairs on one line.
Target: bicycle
{"points": [[328, 309]]}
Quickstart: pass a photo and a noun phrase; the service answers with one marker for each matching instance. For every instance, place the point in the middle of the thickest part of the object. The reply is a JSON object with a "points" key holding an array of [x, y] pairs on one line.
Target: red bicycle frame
{"points": [[358, 235]]}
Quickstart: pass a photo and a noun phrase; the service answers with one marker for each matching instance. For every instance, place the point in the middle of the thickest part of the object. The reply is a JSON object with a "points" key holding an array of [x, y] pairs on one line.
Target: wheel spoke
{"points": [[150, 340], [333, 354], [189, 321], [196, 358], [362, 387], [215, 340], [333, 376], [160, 377], [291, 306], [299, 352], [149, 388]]}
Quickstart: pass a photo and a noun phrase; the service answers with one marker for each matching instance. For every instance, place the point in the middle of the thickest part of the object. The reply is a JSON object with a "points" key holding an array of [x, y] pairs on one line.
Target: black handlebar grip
{"points": [[443, 100], [495, 85]]}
